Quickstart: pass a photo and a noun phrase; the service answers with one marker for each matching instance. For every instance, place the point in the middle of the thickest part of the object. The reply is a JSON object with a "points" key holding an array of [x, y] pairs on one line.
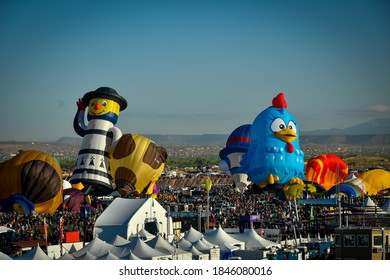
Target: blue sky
{"points": [[192, 67]]}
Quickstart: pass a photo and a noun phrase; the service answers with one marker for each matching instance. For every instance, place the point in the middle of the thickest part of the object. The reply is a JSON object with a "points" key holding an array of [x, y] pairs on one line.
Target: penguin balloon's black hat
{"points": [[108, 93]]}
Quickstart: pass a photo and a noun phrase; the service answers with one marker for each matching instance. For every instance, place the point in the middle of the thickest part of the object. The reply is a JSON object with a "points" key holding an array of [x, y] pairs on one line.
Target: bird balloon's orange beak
{"points": [[287, 135]]}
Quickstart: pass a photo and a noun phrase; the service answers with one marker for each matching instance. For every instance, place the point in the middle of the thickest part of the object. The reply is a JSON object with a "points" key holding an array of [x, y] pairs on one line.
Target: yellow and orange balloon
{"points": [[33, 177], [326, 170]]}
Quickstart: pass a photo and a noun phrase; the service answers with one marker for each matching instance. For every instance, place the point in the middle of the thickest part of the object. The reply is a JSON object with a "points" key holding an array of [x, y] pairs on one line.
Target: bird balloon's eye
{"points": [[292, 126], [104, 103], [278, 125]]}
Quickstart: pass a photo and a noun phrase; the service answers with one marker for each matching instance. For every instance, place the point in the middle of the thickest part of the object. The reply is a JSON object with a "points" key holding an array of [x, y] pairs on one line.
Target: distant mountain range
{"points": [[375, 132], [373, 127]]}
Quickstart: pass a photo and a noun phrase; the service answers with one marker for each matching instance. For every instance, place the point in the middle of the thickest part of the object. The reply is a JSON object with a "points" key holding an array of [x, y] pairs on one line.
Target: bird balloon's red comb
{"points": [[279, 101]]}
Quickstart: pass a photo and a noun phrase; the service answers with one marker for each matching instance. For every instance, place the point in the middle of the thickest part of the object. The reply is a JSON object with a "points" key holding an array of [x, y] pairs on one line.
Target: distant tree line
{"points": [[188, 162], [352, 161], [179, 162]]}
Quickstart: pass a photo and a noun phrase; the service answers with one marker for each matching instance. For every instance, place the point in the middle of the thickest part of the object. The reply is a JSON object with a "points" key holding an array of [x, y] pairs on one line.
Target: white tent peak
{"points": [[86, 256], [119, 240], [144, 234], [35, 253], [254, 241], [220, 237], [192, 235], [200, 245]]}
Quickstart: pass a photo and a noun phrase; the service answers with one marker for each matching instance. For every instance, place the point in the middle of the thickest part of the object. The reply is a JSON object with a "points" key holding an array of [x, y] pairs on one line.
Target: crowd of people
{"points": [[32, 227], [226, 206]]}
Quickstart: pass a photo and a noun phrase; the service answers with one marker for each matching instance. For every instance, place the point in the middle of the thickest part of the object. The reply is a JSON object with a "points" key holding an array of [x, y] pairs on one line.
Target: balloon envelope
{"points": [[347, 189], [35, 175], [298, 190], [327, 170], [274, 146], [231, 155], [136, 164], [376, 180], [74, 199]]}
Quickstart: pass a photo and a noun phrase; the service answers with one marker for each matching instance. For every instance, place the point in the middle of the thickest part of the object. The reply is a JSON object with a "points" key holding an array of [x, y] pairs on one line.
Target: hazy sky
{"points": [[192, 67]]}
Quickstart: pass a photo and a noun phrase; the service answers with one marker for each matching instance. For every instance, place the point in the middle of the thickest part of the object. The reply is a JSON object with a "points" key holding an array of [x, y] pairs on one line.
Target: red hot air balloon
{"points": [[326, 170]]}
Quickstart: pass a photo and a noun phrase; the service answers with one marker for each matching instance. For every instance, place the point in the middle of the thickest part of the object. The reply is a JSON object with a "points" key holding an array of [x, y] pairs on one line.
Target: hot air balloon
{"points": [[376, 180], [31, 176], [136, 164], [237, 145], [347, 189], [298, 191], [99, 138], [74, 199], [274, 153], [327, 170]]}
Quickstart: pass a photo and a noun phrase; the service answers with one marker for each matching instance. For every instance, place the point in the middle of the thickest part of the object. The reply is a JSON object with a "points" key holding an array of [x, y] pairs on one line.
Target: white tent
{"points": [[96, 247], [254, 241], [184, 244], [358, 182], [4, 256], [66, 256], [126, 216], [201, 246], [143, 234], [220, 237], [119, 240], [227, 248], [350, 177], [130, 256], [72, 249], [197, 255], [142, 250], [86, 256], [165, 247], [192, 235], [161, 245], [99, 249], [108, 256], [207, 243], [35, 253], [370, 206]]}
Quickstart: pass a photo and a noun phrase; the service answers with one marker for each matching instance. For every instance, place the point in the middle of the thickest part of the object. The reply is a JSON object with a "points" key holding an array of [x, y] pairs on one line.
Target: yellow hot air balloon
{"points": [[35, 176], [376, 180], [136, 164]]}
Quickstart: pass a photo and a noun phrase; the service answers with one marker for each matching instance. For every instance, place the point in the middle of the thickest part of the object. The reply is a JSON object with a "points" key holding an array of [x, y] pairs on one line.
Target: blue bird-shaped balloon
{"points": [[274, 154]]}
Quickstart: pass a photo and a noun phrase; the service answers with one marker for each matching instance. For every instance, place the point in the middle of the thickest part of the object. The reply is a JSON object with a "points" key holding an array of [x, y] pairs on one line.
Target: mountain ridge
{"points": [[376, 132], [372, 127], [220, 139]]}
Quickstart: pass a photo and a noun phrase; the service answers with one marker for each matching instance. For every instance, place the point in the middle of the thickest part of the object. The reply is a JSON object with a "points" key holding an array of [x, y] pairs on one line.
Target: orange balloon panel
{"points": [[326, 170]]}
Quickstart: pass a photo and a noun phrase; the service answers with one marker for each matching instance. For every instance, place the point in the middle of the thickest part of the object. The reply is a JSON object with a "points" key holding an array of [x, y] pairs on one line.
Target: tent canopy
{"points": [[34, 254], [254, 241], [220, 237]]}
